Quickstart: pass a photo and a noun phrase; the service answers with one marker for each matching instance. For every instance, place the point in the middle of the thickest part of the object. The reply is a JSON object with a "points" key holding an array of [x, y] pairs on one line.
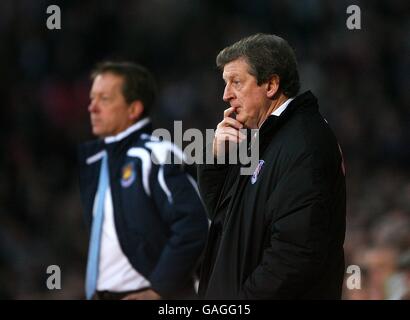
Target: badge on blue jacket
{"points": [[257, 171], [128, 175]]}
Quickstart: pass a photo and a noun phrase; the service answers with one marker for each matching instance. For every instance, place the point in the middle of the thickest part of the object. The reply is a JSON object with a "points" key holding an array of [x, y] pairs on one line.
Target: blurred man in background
{"points": [[278, 234], [148, 226]]}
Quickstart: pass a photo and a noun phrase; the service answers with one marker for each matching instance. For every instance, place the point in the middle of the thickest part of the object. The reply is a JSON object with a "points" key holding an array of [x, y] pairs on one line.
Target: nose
{"points": [[228, 94], [93, 106]]}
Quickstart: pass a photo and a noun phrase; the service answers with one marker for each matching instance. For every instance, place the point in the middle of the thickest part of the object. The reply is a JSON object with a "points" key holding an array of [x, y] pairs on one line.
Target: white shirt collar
{"points": [[136, 126], [281, 108]]}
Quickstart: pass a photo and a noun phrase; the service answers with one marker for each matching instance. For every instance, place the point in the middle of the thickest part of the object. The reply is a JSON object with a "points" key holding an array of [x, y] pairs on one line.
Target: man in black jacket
{"points": [[148, 225], [279, 233]]}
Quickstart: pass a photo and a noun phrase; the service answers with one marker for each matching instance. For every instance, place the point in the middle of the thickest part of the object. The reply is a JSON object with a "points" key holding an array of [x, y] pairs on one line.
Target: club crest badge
{"points": [[257, 171], [128, 175]]}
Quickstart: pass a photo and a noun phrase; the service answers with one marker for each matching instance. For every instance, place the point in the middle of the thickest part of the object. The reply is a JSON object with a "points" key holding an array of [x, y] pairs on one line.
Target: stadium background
{"points": [[360, 76]]}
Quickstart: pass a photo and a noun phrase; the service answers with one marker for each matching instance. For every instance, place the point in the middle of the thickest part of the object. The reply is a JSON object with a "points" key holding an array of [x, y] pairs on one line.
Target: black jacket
{"points": [[282, 236], [159, 218]]}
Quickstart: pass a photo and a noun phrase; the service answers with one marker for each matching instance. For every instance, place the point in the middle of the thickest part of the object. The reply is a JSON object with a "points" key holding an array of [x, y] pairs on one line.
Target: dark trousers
{"points": [[187, 293], [110, 295]]}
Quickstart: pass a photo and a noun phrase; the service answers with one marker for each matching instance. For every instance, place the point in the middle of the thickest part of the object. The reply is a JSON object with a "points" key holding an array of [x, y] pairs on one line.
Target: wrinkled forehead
{"points": [[238, 67]]}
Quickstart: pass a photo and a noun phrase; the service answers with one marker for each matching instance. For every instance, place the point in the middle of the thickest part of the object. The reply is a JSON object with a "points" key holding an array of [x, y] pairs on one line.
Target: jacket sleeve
{"points": [[180, 206], [298, 239], [211, 179]]}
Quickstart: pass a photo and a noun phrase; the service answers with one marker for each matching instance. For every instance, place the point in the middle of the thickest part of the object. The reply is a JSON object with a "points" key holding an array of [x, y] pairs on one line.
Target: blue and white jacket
{"points": [[158, 214]]}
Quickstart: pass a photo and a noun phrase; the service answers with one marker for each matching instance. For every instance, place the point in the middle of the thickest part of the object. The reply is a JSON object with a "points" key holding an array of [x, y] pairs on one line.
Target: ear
{"points": [[272, 86], [135, 110]]}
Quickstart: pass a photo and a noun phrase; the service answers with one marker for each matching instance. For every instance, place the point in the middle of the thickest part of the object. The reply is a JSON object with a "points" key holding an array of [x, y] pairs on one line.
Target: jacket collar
{"points": [[304, 100], [282, 107], [92, 151], [135, 127]]}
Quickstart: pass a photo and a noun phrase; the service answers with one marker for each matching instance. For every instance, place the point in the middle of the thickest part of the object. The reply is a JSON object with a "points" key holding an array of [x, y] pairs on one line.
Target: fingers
{"points": [[229, 129], [230, 122], [231, 134], [229, 111], [131, 297]]}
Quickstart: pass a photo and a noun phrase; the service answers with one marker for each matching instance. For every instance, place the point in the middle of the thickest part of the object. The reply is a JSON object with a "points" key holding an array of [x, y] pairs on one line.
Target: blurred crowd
{"points": [[361, 77]]}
